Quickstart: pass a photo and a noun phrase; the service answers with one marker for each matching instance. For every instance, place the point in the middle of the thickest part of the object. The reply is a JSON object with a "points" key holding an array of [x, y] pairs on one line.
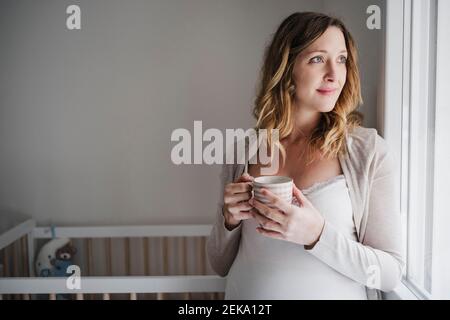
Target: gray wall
{"points": [[370, 50], [86, 116]]}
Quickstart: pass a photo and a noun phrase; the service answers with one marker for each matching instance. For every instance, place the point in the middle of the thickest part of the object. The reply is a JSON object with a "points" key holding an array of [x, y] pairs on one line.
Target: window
{"points": [[416, 123]]}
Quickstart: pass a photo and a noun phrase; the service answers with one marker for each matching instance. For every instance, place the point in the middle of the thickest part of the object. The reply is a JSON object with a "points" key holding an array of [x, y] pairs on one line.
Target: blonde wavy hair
{"points": [[274, 108]]}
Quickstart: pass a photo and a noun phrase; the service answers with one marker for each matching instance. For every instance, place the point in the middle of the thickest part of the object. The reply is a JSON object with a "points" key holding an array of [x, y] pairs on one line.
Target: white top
{"points": [[377, 259], [267, 268]]}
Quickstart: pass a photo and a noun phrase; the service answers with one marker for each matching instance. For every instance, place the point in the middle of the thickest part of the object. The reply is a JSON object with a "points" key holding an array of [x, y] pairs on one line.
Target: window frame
{"points": [[414, 78]]}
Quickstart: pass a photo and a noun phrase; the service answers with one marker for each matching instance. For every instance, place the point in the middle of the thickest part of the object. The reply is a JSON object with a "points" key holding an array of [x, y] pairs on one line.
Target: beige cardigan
{"points": [[376, 259]]}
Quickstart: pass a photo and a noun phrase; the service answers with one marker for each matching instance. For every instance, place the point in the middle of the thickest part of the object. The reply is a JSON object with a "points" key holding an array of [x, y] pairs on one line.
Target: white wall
{"points": [[86, 116]]}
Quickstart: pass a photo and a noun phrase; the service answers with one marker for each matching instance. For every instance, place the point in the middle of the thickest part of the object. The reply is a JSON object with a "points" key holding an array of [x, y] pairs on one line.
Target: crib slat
{"points": [[25, 296], [187, 295], [14, 259], [52, 296], [106, 296], [202, 256], [24, 252], [165, 252], [89, 256], [80, 296], [108, 257], [5, 262], [146, 259], [15, 270], [127, 256], [183, 254], [133, 296], [30, 254], [5, 267], [88, 244], [166, 256]]}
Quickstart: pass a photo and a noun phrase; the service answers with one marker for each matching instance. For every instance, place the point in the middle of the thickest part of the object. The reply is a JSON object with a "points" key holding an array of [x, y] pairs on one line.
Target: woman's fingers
{"points": [[245, 178], [271, 234], [270, 213], [243, 215], [275, 201], [239, 191], [241, 211], [267, 224], [301, 198], [240, 206], [239, 187], [243, 183], [238, 197]]}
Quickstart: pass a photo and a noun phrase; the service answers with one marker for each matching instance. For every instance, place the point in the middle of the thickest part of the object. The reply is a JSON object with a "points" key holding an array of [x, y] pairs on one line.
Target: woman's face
{"points": [[320, 72]]}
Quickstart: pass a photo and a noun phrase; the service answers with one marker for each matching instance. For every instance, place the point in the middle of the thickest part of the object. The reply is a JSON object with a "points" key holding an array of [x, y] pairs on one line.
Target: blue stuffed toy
{"points": [[62, 261], [54, 258]]}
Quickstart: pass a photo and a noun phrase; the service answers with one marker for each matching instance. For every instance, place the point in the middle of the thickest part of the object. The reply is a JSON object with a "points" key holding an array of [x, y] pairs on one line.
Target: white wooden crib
{"points": [[172, 263]]}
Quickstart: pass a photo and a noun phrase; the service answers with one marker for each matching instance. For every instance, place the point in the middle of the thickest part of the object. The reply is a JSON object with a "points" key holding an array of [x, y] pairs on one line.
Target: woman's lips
{"points": [[326, 92]]}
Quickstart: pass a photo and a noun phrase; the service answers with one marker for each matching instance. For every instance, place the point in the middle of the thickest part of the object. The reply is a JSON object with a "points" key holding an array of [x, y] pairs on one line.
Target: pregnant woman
{"points": [[340, 238]]}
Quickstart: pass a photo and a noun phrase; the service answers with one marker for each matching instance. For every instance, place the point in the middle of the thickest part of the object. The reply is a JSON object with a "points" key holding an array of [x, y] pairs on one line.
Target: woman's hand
{"points": [[302, 225], [235, 199]]}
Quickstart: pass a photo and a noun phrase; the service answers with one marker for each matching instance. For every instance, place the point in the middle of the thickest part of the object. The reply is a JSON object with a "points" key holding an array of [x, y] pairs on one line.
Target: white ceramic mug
{"points": [[278, 185]]}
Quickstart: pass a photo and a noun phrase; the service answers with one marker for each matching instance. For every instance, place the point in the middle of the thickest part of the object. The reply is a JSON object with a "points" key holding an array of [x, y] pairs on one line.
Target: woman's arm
{"points": [[377, 261], [222, 245]]}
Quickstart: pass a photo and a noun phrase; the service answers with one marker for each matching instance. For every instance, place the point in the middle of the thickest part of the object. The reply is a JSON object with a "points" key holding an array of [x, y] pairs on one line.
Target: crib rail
{"points": [[124, 231], [129, 284]]}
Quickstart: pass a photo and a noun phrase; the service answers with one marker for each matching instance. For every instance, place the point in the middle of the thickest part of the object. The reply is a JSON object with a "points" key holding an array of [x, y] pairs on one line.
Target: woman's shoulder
{"points": [[368, 154], [366, 142]]}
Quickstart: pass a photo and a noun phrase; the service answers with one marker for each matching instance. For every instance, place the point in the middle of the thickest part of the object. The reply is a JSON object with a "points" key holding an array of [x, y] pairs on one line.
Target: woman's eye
{"points": [[316, 59], [343, 59]]}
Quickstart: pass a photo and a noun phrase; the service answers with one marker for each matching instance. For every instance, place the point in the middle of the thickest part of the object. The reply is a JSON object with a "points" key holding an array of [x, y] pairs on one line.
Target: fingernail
{"points": [[250, 201]]}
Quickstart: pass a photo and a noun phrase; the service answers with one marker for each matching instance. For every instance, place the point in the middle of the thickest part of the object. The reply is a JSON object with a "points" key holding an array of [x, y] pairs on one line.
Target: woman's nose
{"points": [[330, 74]]}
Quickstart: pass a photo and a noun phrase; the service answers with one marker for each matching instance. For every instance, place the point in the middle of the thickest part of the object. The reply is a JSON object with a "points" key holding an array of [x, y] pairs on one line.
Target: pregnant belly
{"points": [[297, 275]]}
